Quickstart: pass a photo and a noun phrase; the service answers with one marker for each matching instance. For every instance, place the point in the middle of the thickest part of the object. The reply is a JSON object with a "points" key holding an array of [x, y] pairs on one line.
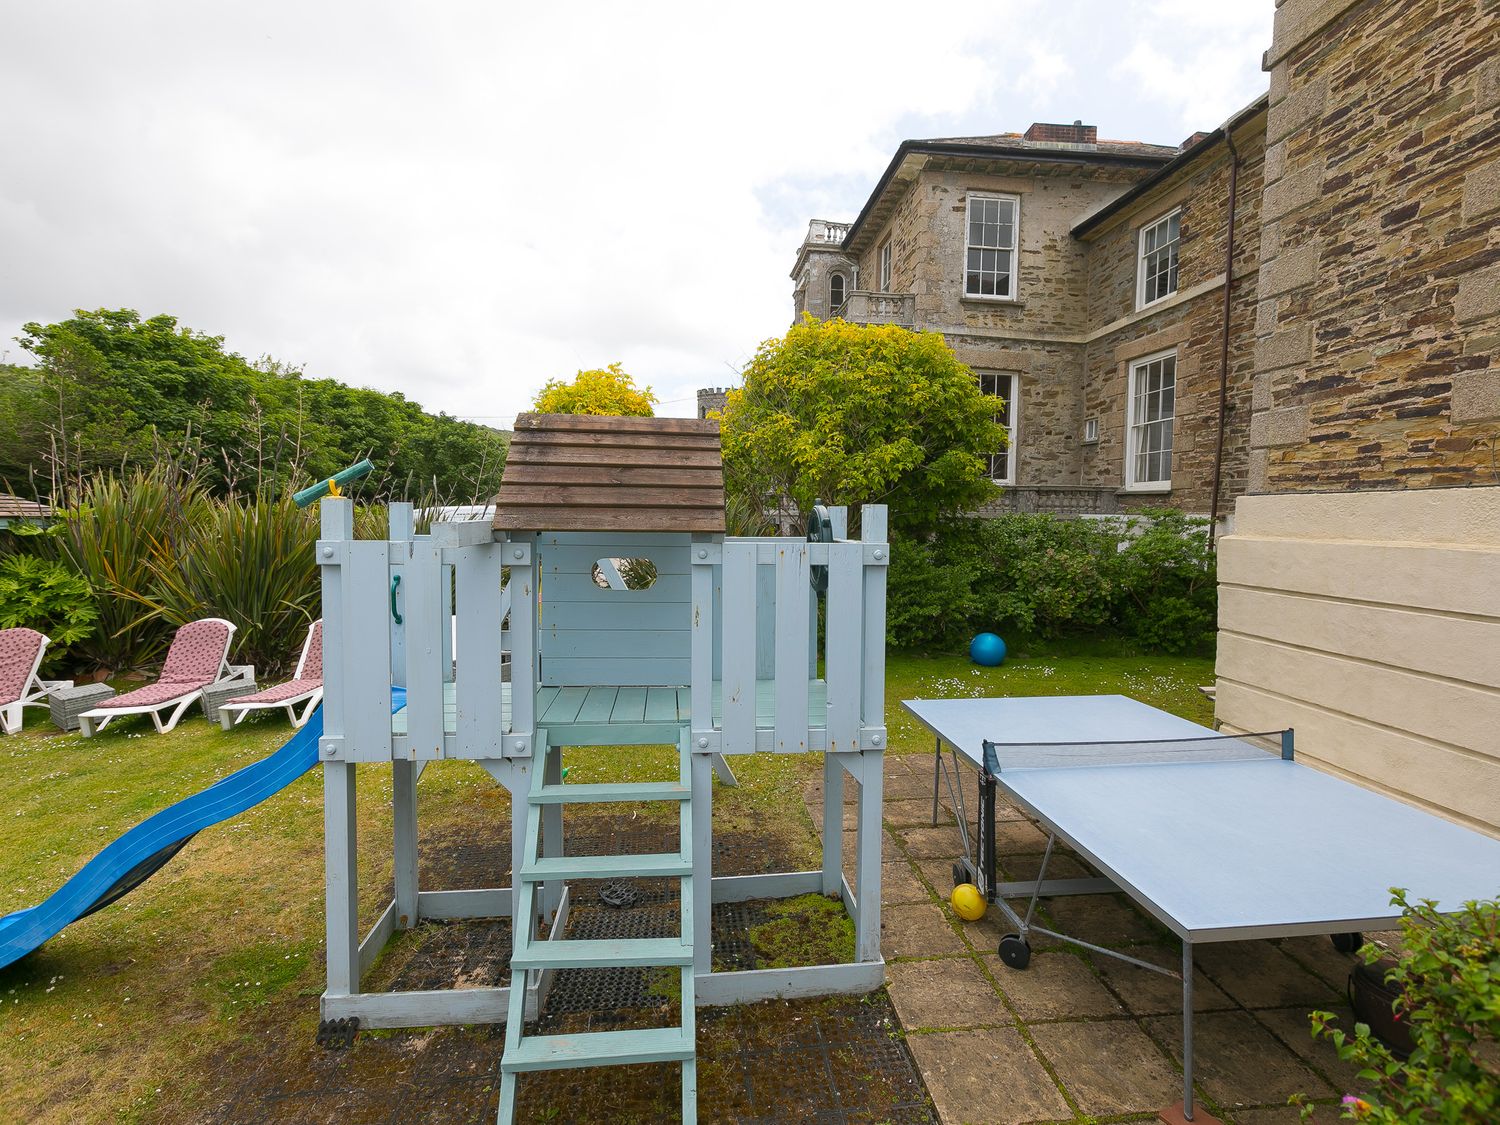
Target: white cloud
{"points": [[461, 200]]}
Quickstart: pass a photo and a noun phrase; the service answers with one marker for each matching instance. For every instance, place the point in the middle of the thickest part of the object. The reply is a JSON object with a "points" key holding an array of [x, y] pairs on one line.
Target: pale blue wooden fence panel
{"points": [[791, 646], [366, 652], [705, 555], [740, 632], [844, 644], [426, 624], [873, 533], [477, 691], [401, 521]]}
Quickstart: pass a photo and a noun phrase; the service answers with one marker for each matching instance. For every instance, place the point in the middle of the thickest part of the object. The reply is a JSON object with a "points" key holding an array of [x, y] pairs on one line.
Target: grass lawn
{"points": [[128, 1013]]}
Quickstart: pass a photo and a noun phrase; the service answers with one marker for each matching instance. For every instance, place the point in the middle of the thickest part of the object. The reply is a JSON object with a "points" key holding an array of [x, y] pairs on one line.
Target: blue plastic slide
{"points": [[138, 854]]}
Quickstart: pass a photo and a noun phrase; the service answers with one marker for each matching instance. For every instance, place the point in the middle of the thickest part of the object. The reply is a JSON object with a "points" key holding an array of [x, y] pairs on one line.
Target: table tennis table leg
{"points": [[954, 778], [1187, 1029]]}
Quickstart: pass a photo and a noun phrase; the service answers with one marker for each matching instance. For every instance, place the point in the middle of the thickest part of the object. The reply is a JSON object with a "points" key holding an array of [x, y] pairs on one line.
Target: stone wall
{"points": [[1379, 287], [1191, 323], [1370, 622]]}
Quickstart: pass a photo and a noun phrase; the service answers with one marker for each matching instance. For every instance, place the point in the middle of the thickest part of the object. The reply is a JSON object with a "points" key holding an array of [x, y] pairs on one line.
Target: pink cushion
{"points": [[197, 653], [18, 649], [155, 694], [312, 667], [276, 694]]}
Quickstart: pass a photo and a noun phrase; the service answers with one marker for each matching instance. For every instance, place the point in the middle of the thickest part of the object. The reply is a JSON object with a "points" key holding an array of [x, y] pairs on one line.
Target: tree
{"points": [[851, 414], [112, 391], [607, 390]]}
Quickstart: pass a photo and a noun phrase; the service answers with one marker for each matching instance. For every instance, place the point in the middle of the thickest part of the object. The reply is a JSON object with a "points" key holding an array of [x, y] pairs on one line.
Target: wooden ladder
{"points": [[524, 1052]]}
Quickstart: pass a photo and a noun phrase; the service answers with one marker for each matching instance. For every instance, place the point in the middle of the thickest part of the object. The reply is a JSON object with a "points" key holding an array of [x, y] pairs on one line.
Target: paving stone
{"points": [[1020, 837], [932, 843], [952, 992], [1238, 1062], [920, 930], [938, 872], [909, 786], [1291, 1026], [1109, 1066], [1146, 993], [1259, 975], [1277, 1115], [899, 883], [1021, 867], [1108, 920], [915, 813], [986, 1077], [1318, 955], [1054, 986]]}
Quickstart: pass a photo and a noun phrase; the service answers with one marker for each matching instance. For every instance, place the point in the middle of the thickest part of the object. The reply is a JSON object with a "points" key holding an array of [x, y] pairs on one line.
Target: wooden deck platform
{"points": [[604, 716]]}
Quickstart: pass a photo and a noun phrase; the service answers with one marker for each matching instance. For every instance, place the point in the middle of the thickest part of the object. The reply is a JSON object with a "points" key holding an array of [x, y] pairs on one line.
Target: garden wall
{"points": [[1370, 622]]}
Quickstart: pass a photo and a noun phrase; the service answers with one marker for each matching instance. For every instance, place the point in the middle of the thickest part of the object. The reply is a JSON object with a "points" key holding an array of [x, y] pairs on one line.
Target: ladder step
{"points": [[598, 1048], [603, 953], [606, 867], [597, 794]]}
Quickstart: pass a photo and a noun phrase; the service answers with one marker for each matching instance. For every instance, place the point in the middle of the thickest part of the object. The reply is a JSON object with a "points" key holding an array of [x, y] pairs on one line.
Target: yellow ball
{"points": [[967, 902]]}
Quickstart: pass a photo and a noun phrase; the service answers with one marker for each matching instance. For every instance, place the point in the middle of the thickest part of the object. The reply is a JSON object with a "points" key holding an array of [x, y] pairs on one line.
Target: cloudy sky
{"points": [[460, 200]]}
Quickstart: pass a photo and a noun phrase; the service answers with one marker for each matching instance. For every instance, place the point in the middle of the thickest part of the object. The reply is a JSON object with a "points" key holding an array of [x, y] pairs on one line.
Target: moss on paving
{"points": [[806, 930]]}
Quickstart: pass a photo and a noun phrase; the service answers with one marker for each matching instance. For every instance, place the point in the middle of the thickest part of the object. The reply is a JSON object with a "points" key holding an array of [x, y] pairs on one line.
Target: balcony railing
{"points": [[863, 307], [1058, 499], [821, 232]]}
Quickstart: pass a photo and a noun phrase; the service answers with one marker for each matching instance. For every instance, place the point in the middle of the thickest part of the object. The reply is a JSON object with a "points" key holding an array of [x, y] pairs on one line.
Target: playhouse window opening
{"points": [[624, 574]]}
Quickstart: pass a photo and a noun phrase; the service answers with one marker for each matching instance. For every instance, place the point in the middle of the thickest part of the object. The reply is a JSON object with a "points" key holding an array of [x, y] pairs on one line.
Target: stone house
{"points": [[1084, 281], [1359, 594]]}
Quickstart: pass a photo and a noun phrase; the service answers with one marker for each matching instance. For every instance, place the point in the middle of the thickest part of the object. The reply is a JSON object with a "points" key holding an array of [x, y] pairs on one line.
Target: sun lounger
{"points": [[21, 684], [305, 687], [199, 657]]}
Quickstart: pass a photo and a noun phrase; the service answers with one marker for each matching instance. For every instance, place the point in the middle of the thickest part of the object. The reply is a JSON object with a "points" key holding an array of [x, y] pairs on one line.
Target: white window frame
{"points": [[1091, 431], [883, 256], [1133, 424], [838, 276], [1140, 259], [1011, 425], [1014, 249]]}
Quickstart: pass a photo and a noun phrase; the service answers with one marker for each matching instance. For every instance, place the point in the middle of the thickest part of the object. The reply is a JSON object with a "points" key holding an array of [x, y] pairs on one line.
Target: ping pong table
{"points": [[1218, 837]]}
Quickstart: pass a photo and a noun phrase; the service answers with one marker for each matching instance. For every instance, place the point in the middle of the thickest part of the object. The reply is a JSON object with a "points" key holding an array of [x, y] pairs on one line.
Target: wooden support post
{"points": [[341, 876], [552, 825], [833, 824], [404, 828], [867, 870], [702, 845]]}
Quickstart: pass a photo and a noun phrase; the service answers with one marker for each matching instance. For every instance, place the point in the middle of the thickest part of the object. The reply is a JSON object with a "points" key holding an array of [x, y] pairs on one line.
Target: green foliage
{"points": [[1038, 577], [1449, 984], [47, 596], [1168, 581], [852, 414], [114, 392], [607, 390], [117, 533], [806, 930], [251, 563]]}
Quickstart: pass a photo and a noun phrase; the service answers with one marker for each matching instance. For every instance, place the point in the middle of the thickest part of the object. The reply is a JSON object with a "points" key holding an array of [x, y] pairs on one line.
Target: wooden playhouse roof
{"points": [[580, 472]]}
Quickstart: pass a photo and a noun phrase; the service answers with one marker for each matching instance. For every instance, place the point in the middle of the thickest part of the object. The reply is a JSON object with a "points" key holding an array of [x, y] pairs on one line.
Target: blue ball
{"points": [[987, 649]]}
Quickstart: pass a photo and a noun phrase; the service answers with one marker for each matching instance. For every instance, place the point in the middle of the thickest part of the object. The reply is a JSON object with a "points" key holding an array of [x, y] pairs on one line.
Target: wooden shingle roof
{"points": [[581, 472]]}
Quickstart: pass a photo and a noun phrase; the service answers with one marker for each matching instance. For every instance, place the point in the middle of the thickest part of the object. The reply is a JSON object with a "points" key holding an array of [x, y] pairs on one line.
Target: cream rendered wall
{"points": [[1370, 622]]}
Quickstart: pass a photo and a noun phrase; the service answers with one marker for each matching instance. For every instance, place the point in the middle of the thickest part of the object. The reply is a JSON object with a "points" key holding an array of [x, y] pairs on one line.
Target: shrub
{"points": [[1449, 984], [1038, 577], [1167, 583], [48, 596], [250, 562], [114, 531]]}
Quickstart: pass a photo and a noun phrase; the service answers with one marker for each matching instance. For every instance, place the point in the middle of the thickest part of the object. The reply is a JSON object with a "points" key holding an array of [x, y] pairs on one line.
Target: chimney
{"points": [[1075, 134], [1191, 141]]}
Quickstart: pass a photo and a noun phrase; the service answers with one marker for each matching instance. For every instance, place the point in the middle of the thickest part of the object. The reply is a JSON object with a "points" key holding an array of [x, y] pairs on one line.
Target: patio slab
{"points": [[920, 930], [987, 1077], [1054, 986], [1259, 975], [1109, 1066], [949, 993], [1237, 1062]]}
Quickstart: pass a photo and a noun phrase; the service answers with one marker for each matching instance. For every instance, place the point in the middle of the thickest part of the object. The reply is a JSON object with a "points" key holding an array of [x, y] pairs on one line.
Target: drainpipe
{"points": [[1234, 177]]}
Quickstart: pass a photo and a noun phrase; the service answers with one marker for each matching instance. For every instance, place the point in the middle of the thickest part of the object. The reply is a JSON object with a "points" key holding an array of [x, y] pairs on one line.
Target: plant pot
{"points": [[1372, 1000]]}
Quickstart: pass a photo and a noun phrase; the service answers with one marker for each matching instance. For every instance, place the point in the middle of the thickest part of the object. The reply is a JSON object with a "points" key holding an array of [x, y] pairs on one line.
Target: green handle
{"points": [[395, 613], [313, 493]]}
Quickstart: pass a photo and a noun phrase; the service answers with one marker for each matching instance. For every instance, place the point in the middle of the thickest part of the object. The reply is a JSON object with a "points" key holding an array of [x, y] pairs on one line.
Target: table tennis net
{"points": [[1002, 756]]}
